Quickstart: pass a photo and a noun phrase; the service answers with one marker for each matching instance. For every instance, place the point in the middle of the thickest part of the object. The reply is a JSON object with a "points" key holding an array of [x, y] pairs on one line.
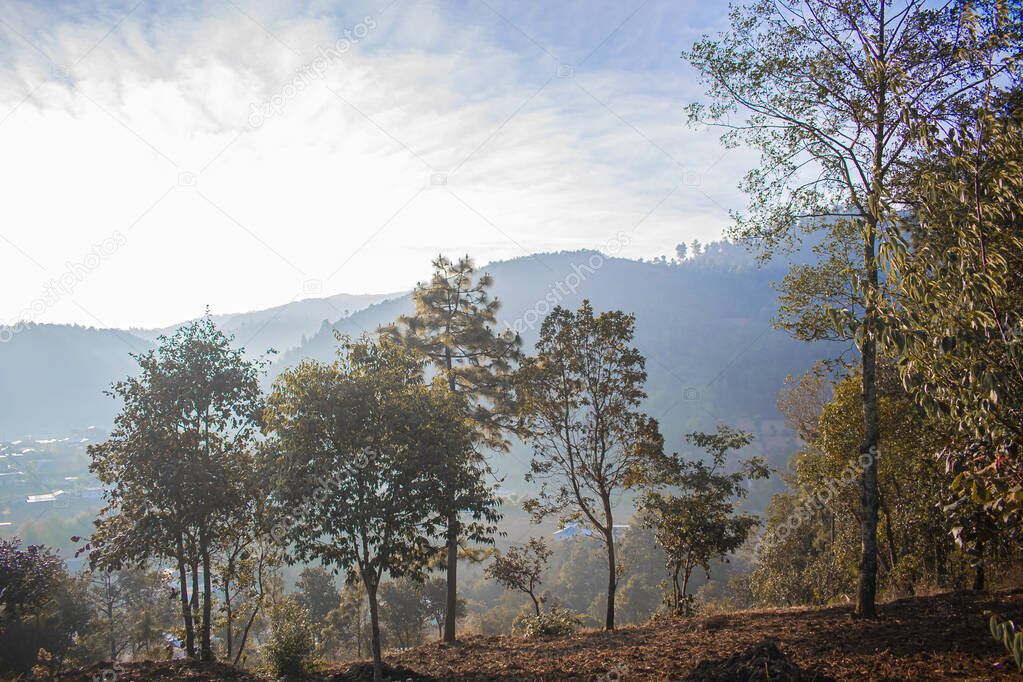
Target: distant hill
{"points": [[52, 376], [285, 326], [704, 326]]}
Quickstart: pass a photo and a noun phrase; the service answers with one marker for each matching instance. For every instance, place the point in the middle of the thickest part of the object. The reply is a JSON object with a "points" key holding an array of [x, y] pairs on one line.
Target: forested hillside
{"points": [[704, 326]]}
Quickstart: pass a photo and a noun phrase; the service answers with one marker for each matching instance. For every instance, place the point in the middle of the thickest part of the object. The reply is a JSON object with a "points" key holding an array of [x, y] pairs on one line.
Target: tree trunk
{"points": [[676, 591], [207, 605], [360, 632], [374, 625], [978, 576], [195, 591], [687, 572], [451, 604], [612, 578], [867, 592], [245, 634], [536, 603], [229, 625], [186, 611]]}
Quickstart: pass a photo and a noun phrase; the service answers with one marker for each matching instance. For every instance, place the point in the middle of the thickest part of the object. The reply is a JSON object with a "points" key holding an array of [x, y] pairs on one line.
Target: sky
{"points": [[162, 157]]}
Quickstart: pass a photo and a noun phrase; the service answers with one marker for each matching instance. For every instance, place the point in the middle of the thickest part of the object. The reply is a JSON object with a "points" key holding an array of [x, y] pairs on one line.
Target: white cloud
{"points": [[320, 185]]}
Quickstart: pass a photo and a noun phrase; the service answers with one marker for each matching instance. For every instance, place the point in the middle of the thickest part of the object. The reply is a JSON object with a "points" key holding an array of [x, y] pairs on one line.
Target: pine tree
{"points": [[453, 327]]}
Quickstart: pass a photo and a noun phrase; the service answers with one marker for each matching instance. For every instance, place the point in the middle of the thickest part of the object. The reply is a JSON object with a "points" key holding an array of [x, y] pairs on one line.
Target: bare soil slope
{"points": [[921, 638]]}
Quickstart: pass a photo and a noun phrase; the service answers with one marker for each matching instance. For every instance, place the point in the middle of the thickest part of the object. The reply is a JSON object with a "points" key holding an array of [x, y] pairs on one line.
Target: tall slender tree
{"points": [[454, 328], [176, 463], [832, 94], [579, 400]]}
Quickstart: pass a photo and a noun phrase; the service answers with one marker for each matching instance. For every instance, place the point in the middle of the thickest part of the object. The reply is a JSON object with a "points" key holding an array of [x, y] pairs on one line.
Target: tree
{"points": [[435, 603], [960, 302], [369, 459], [290, 647], [317, 592], [41, 608], [147, 595], [808, 552], [700, 523], [832, 94], [176, 461], [344, 628], [108, 598], [521, 568], [453, 328], [579, 406], [247, 569], [403, 612]]}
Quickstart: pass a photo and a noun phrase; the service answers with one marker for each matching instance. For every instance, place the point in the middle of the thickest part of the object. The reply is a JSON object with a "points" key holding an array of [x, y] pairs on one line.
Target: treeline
{"points": [[377, 466]]}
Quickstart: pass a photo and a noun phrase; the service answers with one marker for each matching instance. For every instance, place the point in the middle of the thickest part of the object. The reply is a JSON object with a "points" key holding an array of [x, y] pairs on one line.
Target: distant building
{"points": [[45, 497]]}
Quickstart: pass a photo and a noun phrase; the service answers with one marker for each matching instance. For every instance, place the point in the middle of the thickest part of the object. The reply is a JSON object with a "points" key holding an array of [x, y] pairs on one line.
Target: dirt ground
{"points": [[921, 638]]}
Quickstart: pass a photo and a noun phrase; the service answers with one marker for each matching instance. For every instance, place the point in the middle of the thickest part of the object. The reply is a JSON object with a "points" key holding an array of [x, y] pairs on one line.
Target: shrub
{"points": [[289, 649], [554, 622]]}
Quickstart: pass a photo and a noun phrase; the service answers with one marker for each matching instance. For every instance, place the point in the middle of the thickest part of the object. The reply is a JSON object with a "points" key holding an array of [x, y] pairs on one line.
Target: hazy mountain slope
{"points": [[704, 326], [712, 354], [285, 326], [52, 378]]}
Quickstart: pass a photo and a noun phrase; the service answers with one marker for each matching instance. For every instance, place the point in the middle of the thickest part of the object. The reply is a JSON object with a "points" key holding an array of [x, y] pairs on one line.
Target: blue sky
{"points": [[161, 157]]}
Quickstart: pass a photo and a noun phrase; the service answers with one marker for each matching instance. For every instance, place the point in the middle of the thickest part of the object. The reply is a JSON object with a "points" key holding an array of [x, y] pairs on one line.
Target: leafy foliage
{"points": [[291, 645], [552, 622], [958, 320], [317, 592], [43, 609], [453, 327], [521, 568], [1008, 636], [699, 522]]}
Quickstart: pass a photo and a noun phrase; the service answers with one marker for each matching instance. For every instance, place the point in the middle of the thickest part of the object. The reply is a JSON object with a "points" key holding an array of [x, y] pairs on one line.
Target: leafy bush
{"points": [[554, 622], [44, 612], [289, 650]]}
